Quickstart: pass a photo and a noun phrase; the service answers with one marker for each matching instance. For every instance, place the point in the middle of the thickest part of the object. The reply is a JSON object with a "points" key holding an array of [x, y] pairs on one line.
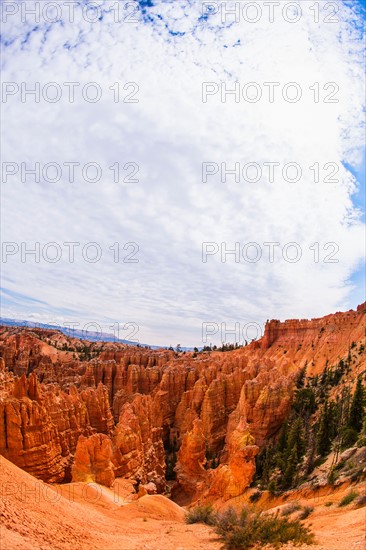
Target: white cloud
{"points": [[169, 133]]}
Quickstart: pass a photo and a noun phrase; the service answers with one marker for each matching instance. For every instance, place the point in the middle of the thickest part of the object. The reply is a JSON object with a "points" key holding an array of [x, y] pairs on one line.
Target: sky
{"points": [[163, 135]]}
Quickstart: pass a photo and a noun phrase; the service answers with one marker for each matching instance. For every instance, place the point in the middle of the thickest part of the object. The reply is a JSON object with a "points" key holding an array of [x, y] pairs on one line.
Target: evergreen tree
{"points": [[301, 379], [291, 468], [310, 461], [265, 462], [323, 435], [324, 378], [296, 440], [305, 403], [282, 441], [357, 409], [333, 419]]}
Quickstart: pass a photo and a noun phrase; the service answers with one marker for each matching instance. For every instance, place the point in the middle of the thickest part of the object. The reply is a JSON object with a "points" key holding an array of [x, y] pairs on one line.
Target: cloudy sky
{"points": [[136, 136]]}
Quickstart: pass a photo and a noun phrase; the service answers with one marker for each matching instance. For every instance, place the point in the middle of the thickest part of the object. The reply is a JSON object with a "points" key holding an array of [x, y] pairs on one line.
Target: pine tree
{"points": [[323, 435], [281, 448], [296, 440], [291, 468], [324, 378], [357, 409], [301, 379], [282, 441], [310, 460], [333, 419]]}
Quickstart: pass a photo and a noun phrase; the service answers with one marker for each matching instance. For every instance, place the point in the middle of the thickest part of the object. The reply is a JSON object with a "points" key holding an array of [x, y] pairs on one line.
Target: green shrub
{"points": [[348, 498], [246, 529], [254, 497], [340, 465], [290, 508], [201, 514], [349, 437], [357, 475], [332, 476], [305, 512], [360, 501], [272, 488], [329, 503]]}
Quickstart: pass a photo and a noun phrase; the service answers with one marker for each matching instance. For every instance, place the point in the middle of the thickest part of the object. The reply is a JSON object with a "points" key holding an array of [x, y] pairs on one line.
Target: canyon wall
{"points": [[71, 409]]}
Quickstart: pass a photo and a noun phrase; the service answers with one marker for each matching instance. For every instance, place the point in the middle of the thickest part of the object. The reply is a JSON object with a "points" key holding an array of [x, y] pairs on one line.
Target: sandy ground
{"points": [[77, 516], [334, 527]]}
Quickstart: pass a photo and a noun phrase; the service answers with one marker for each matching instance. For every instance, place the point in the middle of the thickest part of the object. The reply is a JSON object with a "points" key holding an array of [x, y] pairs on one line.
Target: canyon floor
{"points": [[35, 515]]}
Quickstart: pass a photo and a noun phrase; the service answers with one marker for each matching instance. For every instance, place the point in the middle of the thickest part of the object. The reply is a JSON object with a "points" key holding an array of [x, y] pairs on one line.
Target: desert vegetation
{"points": [[325, 416], [249, 527]]}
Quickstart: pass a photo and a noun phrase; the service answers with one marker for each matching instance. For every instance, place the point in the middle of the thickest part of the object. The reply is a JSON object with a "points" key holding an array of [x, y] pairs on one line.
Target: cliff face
{"points": [[137, 441], [231, 479], [315, 342], [30, 440], [93, 460], [90, 410], [39, 427], [190, 469]]}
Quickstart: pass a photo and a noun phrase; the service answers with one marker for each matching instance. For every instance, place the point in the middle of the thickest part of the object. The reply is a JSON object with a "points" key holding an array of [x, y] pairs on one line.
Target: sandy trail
{"points": [[36, 516]]}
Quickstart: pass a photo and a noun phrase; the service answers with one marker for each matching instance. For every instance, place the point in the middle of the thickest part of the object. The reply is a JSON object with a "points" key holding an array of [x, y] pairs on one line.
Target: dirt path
{"points": [[36, 516]]}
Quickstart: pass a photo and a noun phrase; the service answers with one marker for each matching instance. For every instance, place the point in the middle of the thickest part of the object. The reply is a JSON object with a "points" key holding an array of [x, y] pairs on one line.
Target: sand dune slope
{"points": [[37, 516]]}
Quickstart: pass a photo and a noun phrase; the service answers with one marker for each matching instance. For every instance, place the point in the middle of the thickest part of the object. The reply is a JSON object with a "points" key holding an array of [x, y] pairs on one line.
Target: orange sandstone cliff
{"points": [[71, 409]]}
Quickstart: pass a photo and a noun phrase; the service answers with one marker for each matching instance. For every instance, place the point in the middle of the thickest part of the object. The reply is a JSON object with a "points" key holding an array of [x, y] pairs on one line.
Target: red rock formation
{"points": [[40, 426], [190, 468], [264, 404], [55, 389], [137, 442], [231, 479], [97, 404], [93, 460], [29, 439], [314, 342]]}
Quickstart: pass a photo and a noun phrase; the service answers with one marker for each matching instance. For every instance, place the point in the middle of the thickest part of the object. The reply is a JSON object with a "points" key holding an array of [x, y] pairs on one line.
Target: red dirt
{"points": [[35, 515]]}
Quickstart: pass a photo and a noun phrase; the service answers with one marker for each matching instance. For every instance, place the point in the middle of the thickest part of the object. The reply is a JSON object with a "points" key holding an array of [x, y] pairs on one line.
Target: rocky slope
{"points": [[81, 515], [70, 409]]}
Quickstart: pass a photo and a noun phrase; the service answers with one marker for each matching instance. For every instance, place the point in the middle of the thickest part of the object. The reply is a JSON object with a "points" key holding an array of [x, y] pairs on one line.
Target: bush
{"points": [[340, 465], [201, 514], [332, 476], [305, 512], [329, 503], [360, 501], [254, 497], [349, 437], [290, 508], [272, 488], [347, 499], [246, 529], [357, 475]]}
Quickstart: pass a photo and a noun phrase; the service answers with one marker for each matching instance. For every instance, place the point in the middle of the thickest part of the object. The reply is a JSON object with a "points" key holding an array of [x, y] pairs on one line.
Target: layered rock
{"points": [[40, 426], [30, 440], [58, 393], [231, 479], [228, 480], [314, 342], [97, 405], [93, 460], [137, 442], [264, 403], [190, 468]]}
